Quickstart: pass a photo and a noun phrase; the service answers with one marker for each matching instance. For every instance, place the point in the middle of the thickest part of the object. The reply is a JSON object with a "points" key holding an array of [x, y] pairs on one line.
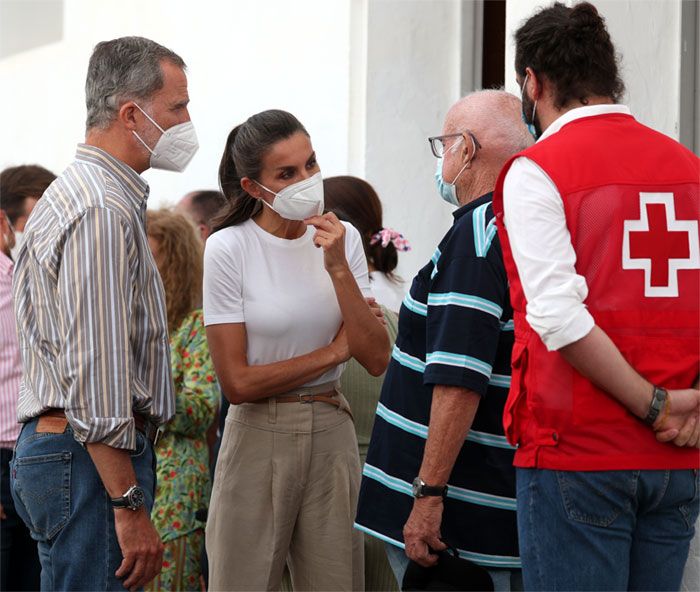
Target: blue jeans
{"points": [[605, 530], [60, 497], [504, 580]]}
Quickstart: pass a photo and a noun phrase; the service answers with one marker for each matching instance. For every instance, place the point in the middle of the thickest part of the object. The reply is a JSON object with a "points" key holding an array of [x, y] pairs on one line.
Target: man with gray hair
{"points": [[439, 469], [93, 333]]}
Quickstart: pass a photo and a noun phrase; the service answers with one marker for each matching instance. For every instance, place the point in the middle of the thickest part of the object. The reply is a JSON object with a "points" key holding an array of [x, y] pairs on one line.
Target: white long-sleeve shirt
{"points": [[533, 214]]}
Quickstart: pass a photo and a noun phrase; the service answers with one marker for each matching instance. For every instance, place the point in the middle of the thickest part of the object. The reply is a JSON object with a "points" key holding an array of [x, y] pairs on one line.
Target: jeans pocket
{"points": [[141, 444], [41, 489], [691, 509], [596, 497]]}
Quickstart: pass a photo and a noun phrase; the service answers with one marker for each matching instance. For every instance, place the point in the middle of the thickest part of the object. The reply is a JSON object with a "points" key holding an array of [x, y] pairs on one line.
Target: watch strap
{"points": [[658, 400], [421, 489], [132, 499], [434, 490]]}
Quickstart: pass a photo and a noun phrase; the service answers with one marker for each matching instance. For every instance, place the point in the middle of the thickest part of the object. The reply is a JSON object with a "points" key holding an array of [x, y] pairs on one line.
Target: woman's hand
{"points": [[340, 345], [376, 309], [330, 236]]}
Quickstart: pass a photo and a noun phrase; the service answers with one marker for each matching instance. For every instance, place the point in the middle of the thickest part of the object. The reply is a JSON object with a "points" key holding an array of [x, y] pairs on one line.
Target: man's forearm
{"points": [[114, 466], [597, 358], [451, 416]]}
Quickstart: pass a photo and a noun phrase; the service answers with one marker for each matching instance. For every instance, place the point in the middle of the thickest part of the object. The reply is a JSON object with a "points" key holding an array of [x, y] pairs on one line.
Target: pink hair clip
{"points": [[389, 235]]}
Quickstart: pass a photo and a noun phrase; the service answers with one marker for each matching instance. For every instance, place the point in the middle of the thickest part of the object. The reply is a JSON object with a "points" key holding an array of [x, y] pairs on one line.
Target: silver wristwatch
{"points": [[133, 499]]}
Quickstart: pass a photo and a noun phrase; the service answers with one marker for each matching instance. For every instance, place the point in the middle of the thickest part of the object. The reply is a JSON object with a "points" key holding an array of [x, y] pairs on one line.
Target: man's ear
{"points": [[127, 115], [468, 149], [534, 84]]}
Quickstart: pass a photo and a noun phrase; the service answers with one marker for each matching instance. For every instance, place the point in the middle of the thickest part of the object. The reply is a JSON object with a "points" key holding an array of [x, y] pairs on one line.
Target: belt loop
{"points": [[272, 410]]}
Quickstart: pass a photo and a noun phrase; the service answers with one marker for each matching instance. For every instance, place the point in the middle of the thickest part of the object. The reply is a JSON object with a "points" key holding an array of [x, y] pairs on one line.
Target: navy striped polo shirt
{"points": [[455, 329]]}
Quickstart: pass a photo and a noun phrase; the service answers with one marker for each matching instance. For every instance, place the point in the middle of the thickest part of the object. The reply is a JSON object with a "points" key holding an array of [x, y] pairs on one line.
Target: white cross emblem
{"points": [[660, 245]]}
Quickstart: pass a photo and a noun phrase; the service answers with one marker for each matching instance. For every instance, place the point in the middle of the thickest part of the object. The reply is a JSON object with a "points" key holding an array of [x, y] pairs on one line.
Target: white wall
{"points": [[646, 33], [242, 57], [413, 77]]}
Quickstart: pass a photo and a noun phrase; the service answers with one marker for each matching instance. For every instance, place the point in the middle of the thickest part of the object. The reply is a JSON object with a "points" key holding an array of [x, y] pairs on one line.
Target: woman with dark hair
{"points": [[355, 201], [284, 305]]}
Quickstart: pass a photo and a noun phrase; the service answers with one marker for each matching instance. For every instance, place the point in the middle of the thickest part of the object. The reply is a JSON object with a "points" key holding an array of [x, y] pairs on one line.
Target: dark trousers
{"points": [[19, 558]]}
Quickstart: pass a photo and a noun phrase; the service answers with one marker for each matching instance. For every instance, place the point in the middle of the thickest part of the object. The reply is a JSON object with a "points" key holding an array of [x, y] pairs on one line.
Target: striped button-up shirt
{"points": [[10, 363], [90, 305]]}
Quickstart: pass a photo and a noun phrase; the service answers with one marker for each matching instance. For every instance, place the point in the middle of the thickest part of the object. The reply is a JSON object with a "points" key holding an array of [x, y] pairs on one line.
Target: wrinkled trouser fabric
{"points": [[285, 491]]}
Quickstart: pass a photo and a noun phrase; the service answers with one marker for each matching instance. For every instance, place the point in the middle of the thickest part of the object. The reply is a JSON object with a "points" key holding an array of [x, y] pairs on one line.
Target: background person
{"points": [[182, 456], [284, 308], [93, 332], [21, 187], [607, 318], [354, 200], [202, 207]]}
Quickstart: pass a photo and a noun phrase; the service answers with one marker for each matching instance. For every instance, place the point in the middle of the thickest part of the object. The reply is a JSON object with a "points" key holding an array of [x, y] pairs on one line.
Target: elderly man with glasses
{"points": [[439, 469]]}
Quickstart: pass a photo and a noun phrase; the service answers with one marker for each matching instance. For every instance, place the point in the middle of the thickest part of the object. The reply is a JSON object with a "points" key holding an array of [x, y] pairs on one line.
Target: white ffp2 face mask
{"points": [[19, 238], [298, 201], [175, 147]]}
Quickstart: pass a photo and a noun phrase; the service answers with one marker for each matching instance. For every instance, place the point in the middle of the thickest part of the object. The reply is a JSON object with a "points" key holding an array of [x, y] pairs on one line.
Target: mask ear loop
{"points": [[263, 199], [468, 164], [522, 93]]}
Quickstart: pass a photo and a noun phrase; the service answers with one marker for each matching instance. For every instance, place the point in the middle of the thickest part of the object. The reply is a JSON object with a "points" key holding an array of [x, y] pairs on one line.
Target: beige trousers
{"points": [[285, 491]]}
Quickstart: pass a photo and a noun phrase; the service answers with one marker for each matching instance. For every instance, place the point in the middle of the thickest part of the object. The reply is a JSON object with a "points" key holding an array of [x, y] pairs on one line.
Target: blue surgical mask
{"points": [[530, 124], [447, 191]]}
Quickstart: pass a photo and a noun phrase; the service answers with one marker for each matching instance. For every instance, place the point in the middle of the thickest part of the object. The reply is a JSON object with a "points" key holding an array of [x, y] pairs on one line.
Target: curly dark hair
{"points": [[572, 48]]}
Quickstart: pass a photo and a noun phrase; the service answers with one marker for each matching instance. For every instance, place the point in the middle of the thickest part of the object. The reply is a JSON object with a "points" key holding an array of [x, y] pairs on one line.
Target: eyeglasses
{"points": [[437, 143]]}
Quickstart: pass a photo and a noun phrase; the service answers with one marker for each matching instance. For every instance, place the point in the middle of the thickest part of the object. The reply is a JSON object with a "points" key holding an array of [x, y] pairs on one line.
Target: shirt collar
{"points": [[135, 186], [6, 264], [578, 113], [484, 199]]}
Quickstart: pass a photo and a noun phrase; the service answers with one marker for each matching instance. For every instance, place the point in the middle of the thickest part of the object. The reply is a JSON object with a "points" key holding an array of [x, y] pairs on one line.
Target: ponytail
{"points": [[240, 206]]}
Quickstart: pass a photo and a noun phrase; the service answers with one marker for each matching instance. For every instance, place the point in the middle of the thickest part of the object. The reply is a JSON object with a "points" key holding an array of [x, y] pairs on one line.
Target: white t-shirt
{"points": [[387, 292], [279, 288]]}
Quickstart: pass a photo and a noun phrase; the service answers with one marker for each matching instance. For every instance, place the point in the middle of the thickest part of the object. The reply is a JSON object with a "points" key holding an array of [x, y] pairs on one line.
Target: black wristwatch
{"points": [[658, 400], [420, 489], [133, 499]]}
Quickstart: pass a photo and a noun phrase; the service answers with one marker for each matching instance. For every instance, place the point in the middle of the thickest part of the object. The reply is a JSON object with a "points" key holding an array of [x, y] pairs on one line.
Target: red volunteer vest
{"points": [[630, 196]]}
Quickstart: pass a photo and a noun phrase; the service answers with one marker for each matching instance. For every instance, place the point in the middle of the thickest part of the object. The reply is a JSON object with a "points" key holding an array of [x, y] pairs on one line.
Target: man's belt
{"points": [[55, 421]]}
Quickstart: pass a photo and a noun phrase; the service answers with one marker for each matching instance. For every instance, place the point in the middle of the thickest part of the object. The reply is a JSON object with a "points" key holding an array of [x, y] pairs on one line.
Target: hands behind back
{"points": [[679, 421]]}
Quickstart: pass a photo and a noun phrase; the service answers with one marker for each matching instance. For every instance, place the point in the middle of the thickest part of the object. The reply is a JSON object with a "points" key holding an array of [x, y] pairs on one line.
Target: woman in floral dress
{"points": [[182, 452]]}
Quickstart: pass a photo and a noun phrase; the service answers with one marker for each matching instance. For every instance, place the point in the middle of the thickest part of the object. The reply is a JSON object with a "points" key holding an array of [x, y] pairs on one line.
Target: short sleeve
{"points": [[465, 306], [355, 254], [222, 289]]}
